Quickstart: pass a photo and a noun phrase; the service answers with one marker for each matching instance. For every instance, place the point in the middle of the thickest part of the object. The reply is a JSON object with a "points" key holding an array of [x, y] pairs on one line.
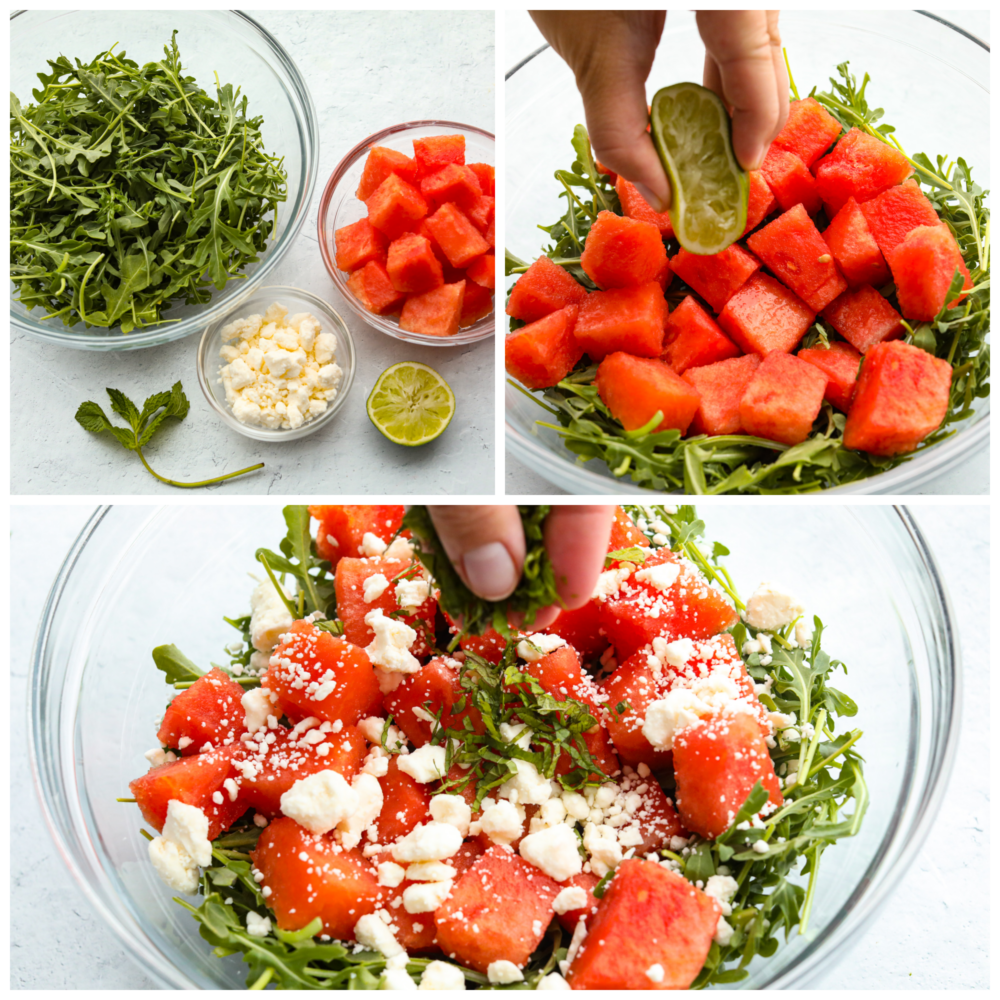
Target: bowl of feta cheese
{"points": [[278, 366]]}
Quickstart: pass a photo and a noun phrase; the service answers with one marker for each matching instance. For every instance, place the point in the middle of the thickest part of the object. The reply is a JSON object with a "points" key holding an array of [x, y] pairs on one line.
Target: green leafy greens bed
{"points": [[664, 461]]}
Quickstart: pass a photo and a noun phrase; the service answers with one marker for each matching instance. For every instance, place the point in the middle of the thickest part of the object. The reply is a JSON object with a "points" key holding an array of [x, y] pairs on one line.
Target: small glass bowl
{"points": [[295, 300], [339, 207]]}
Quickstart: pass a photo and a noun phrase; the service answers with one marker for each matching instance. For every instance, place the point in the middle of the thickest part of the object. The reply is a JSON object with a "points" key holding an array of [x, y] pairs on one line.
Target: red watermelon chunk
{"points": [[544, 352], [809, 130], [405, 803], [435, 152], [587, 882], [761, 202], [622, 319], [923, 267], [625, 532], [412, 266], [357, 244], [373, 287], [437, 312], [481, 213], [860, 166], [635, 389], [901, 397], [648, 916], [210, 711], [483, 271], [622, 252], [790, 181], [721, 387], [793, 249], [863, 317], [396, 207], [381, 162], [456, 235], [782, 399], [342, 527], [854, 248], [716, 765], [764, 316], [486, 176], [452, 183], [715, 277], [477, 302], [839, 363], [896, 212], [581, 628], [693, 339], [542, 289], [636, 207], [434, 688]]}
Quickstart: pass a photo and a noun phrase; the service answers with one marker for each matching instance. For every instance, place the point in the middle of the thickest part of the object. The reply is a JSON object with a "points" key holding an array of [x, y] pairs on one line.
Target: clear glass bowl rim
{"points": [[479, 330], [937, 461], [264, 433], [164, 333]]}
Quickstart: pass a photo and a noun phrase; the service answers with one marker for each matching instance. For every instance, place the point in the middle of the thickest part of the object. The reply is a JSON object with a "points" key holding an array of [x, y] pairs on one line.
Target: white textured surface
{"points": [[365, 71], [973, 478], [933, 932]]}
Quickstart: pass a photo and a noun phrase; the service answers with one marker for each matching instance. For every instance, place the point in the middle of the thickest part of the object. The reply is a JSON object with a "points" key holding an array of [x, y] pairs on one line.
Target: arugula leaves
{"points": [[132, 189], [536, 588], [144, 424]]}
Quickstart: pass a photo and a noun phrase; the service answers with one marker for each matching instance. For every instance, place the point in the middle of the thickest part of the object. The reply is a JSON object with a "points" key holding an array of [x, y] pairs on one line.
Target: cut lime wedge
{"points": [[411, 404], [692, 132]]}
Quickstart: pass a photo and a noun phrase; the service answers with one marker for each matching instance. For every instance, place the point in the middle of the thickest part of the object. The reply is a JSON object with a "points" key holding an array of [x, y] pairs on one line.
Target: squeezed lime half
{"points": [[692, 132], [411, 404]]}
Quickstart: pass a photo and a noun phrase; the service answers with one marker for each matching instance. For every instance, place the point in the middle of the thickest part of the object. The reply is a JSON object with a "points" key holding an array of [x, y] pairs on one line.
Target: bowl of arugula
{"points": [[161, 167], [932, 80], [885, 614]]}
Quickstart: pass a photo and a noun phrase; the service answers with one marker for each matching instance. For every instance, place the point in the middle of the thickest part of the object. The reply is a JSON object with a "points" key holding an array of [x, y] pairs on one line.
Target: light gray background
{"points": [[932, 934], [365, 70], [523, 38]]}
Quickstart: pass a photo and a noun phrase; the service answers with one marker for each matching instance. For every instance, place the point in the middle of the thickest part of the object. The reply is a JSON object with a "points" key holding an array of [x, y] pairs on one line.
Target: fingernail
{"points": [[655, 202], [490, 571], [755, 162]]}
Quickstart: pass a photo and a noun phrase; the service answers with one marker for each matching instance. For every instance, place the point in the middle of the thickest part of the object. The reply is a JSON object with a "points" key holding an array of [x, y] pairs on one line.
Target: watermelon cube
{"points": [[716, 765], [405, 803], [761, 202], [648, 917], [543, 353], [476, 931], [412, 266], [581, 629], [434, 688], [436, 312], [923, 267], [860, 166], [622, 319], [395, 207], [715, 277], [634, 389], [455, 183], [542, 289], [896, 212], [587, 882], [373, 286], [456, 235], [381, 162], [901, 397], [483, 271], [854, 248], [610, 174], [491, 233], [809, 130], [486, 176], [355, 245], [435, 152], [664, 276], [625, 532], [863, 318], [721, 387], [636, 207], [790, 181], [477, 302], [839, 363], [622, 252], [481, 212], [210, 711], [342, 527], [782, 399], [693, 339], [793, 249], [764, 316]]}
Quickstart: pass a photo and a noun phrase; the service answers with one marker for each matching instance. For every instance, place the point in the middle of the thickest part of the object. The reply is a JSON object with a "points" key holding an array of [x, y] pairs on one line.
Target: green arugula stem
{"points": [[204, 482], [856, 735]]}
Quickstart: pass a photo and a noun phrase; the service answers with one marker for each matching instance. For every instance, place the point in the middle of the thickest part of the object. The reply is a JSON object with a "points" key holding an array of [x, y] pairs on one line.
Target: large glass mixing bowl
{"points": [[932, 79]]}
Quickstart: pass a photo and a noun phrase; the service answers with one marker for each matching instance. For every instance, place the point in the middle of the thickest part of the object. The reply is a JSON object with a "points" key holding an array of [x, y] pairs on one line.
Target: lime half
{"points": [[411, 404], [693, 135]]}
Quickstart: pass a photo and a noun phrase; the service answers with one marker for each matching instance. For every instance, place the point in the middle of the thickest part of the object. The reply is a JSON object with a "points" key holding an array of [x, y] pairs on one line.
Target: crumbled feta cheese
{"points": [[187, 827], [554, 851], [452, 809], [269, 618], [759, 847], [390, 874], [660, 577], [372, 545], [159, 756], [676, 653], [655, 973], [601, 843], [258, 926], [375, 587], [174, 865], [426, 897], [575, 805], [442, 976], [320, 801], [399, 549], [537, 645], [803, 634], [428, 842], [410, 594], [503, 972], [723, 932], [579, 936], [425, 764], [257, 707], [609, 582], [553, 981], [527, 787], [573, 897], [668, 716], [771, 608], [390, 648], [397, 979], [369, 795], [373, 934], [430, 871], [501, 821], [517, 733], [722, 888]]}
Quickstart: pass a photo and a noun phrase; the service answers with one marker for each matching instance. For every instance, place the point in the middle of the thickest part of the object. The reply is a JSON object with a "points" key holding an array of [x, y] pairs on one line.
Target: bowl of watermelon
{"points": [[98, 702], [406, 230], [841, 343]]}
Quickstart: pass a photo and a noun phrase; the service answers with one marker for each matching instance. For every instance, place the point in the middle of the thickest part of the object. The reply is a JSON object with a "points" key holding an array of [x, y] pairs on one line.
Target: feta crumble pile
{"points": [[280, 370]]}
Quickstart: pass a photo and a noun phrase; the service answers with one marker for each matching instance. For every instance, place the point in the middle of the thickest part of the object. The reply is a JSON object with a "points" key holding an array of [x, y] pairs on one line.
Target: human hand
{"points": [[486, 546], [611, 54]]}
